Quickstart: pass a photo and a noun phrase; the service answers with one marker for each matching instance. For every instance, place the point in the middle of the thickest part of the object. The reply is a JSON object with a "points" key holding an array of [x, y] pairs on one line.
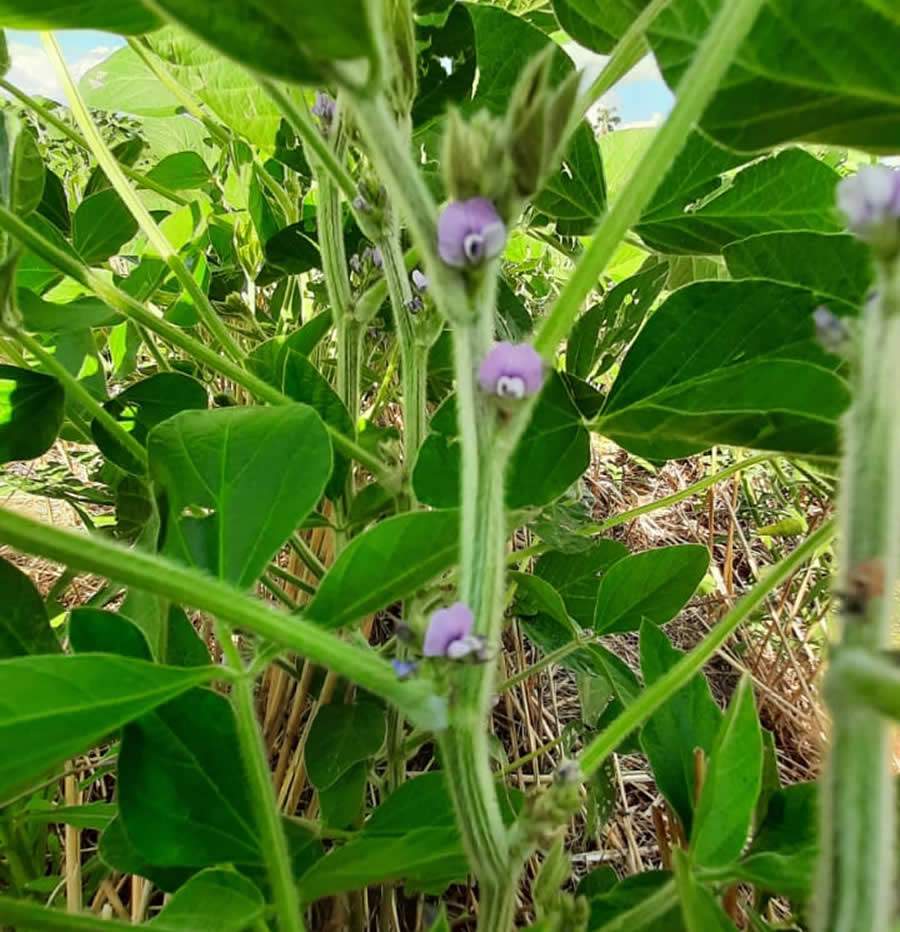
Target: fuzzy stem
{"points": [[147, 224], [856, 885], [496, 906], [78, 393], [155, 574], [695, 90]]}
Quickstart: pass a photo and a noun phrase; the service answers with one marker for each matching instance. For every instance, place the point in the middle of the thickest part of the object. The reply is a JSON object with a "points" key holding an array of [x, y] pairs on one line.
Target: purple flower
{"points": [[377, 258], [870, 199], [324, 107], [361, 204], [447, 627], [419, 280], [512, 370], [469, 232], [404, 668], [415, 304]]}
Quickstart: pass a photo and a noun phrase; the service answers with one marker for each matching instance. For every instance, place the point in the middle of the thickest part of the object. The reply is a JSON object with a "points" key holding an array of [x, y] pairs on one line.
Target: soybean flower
{"points": [[512, 370], [470, 232]]}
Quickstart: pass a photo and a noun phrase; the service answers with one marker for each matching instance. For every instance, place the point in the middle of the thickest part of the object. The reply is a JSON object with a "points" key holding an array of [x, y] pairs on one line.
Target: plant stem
{"points": [[266, 813], [135, 311], [496, 906], [654, 695], [696, 88], [49, 117], [546, 661], [78, 393], [155, 574], [147, 224], [856, 884]]}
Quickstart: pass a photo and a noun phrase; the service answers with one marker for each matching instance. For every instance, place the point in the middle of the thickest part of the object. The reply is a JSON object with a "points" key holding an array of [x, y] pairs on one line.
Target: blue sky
{"points": [[641, 97]]}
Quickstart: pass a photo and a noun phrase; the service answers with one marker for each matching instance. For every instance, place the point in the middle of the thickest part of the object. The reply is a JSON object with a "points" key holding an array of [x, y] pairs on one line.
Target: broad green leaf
{"points": [[553, 452], [21, 166], [32, 270], [575, 195], [342, 802], [215, 898], [689, 719], [802, 74], [77, 351], [126, 152], [257, 471], [596, 24], [101, 225], [24, 625], [577, 576], [622, 150], [54, 203], [118, 853], [341, 736], [788, 191], [122, 83], [31, 413], [293, 250], [54, 707], [837, 267], [143, 405], [170, 135], [603, 332], [685, 270], [293, 42], [653, 585], [727, 362], [129, 17], [700, 910], [637, 893], [731, 785], [229, 90], [94, 631], [412, 837], [184, 647], [389, 561], [42, 316], [180, 171], [782, 857]]}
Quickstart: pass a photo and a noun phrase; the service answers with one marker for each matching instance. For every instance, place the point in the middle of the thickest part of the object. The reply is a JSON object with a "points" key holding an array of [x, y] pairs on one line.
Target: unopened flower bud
{"points": [[870, 200], [419, 280], [404, 668], [512, 370], [831, 332], [470, 232], [324, 108]]}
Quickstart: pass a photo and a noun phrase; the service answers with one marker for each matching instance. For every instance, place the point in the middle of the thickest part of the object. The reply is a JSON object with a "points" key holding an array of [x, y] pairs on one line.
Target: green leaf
{"points": [[182, 791], [54, 204], [126, 152], [837, 267], [118, 853], [689, 719], [411, 838], [596, 24], [185, 647], [631, 894], [31, 413], [90, 815], [21, 166], [54, 707], [143, 405], [700, 909], [342, 801], [129, 17], [122, 83], [94, 631], [257, 471], [602, 333], [41, 316], [101, 225], [212, 899], [727, 362], [788, 191], [293, 42], [24, 624], [552, 453], [180, 171], [782, 858], [293, 250], [390, 561], [577, 576], [653, 586], [801, 74], [731, 786], [341, 736]]}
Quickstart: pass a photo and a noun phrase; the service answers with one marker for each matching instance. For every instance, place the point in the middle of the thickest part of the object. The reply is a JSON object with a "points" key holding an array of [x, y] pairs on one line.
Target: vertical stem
{"points": [[857, 868], [266, 813], [73, 849], [496, 906]]}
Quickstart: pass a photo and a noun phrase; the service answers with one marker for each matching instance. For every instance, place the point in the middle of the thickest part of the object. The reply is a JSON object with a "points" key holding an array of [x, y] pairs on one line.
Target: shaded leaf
{"points": [[214, 898], [24, 624]]}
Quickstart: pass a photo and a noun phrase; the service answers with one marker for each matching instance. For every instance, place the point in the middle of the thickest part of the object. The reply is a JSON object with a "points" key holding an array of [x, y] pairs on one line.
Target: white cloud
{"points": [[32, 71], [591, 64]]}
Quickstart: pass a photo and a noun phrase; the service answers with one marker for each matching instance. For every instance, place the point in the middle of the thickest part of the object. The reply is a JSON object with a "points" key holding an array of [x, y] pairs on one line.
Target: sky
{"points": [[640, 98]]}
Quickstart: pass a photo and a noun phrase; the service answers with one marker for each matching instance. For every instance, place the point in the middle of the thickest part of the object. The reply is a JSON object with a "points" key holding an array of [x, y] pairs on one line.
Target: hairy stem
{"points": [[117, 179], [708, 66], [856, 885]]}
